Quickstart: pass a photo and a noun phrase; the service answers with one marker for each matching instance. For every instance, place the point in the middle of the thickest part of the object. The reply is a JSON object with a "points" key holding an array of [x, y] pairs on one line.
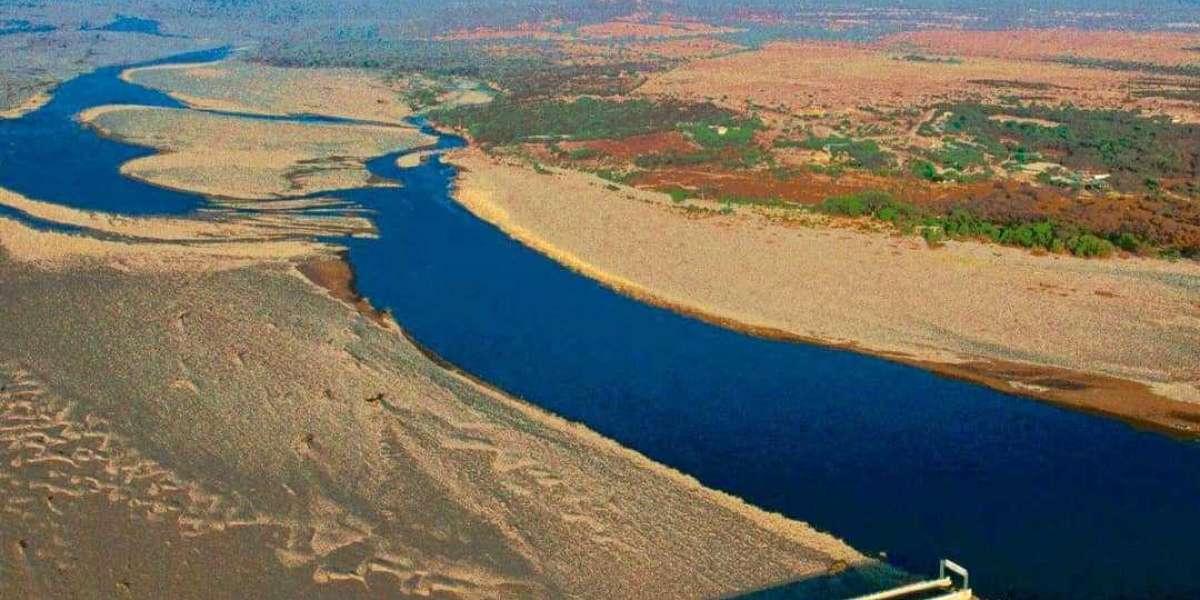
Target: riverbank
{"points": [[1116, 337], [30, 104]]}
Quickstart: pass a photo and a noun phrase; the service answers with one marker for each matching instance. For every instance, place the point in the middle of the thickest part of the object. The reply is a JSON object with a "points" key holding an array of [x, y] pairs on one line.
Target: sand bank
{"points": [[254, 434], [245, 158], [214, 225], [30, 104], [1120, 337], [261, 89]]}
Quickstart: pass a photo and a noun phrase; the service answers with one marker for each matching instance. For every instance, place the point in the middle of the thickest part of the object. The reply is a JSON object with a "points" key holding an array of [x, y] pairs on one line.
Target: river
{"points": [[1038, 501]]}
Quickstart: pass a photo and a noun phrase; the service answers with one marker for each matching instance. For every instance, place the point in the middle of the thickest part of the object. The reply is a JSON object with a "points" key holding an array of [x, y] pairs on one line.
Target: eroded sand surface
{"points": [[1118, 336], [246, 158]]}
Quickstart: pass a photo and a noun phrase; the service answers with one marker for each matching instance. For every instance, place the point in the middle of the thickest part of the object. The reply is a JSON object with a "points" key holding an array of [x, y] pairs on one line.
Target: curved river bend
{"points": [[1039, 502]]}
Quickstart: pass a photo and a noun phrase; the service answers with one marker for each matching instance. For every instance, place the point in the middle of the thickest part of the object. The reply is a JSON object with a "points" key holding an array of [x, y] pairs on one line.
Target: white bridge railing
{"points": [[948, 572]]}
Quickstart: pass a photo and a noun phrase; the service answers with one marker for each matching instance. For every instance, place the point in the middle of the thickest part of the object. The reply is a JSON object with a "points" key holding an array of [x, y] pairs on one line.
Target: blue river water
{"points": [[1039, 502]]}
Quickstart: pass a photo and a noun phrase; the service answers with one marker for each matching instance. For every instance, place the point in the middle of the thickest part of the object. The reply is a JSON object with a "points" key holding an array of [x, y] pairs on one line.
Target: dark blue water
{"points": [[11, 26], [1039, 502], [128, 24], [50, 156]]}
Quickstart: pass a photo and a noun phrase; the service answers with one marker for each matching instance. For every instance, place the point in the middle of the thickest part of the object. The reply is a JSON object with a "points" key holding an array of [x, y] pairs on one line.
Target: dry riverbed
{"points": [[1120, 337]]}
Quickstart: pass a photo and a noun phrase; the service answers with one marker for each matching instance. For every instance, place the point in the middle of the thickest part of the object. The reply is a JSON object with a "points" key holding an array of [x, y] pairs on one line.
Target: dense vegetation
{"points": [[507, 122], [1139, 151], [962, 224]]}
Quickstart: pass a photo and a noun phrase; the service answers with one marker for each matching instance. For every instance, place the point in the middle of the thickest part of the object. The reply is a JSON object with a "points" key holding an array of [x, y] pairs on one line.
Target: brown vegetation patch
{"points": [[689, 48], [710, 183], [630, 148], [660, 29], [1160, 219], [1164, 220], [335, 276], [801, 187]]}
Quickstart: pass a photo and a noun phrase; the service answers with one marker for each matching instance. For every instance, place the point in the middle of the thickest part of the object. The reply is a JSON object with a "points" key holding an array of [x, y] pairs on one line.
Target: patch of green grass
{"points": [[733, 133], [424, 96], [857, 204]]}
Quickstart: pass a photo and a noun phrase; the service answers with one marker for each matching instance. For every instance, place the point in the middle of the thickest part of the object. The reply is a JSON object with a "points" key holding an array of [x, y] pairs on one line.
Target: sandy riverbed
{"points": [[1121, 337]]}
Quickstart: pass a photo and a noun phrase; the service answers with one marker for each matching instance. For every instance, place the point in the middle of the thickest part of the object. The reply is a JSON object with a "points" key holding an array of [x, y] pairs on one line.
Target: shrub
{"points": [[933, 236], [583, 153], [1088, 245], [1127, 242], [678, 194], [924, 169], [962, 224], [1029, 235]]}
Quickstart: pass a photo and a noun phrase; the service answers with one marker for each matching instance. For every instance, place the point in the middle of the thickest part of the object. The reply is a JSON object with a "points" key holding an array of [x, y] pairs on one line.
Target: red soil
{"points": [[628, 149]]}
